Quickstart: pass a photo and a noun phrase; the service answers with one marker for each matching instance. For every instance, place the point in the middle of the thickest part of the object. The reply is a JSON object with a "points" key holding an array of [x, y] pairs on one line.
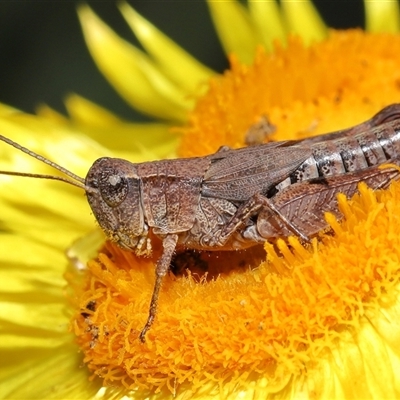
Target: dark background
{"points": [[43, 55]]}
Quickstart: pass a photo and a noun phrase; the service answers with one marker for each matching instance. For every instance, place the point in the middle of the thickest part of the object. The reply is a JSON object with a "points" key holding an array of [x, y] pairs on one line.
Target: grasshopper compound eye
{"points": [[113, 187]]}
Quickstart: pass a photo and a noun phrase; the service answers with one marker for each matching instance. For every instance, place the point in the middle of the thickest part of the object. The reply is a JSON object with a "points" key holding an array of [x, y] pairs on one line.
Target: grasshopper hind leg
{"points": [[255, 206]]}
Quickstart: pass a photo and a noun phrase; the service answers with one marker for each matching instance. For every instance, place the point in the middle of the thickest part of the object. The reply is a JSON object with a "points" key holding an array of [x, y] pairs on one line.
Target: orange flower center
{"points": [[301, 91]]}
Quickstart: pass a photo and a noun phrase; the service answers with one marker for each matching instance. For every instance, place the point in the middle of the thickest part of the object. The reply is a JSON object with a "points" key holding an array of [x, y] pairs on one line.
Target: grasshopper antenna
{"points": [[77, 180]]}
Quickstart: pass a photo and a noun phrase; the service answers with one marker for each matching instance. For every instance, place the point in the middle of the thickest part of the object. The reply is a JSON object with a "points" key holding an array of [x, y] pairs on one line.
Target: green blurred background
{"points": [[43, 56]]}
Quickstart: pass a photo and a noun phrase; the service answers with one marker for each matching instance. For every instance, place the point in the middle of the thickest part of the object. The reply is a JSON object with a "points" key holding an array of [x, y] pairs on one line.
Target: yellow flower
{"points": [[319, 322]]}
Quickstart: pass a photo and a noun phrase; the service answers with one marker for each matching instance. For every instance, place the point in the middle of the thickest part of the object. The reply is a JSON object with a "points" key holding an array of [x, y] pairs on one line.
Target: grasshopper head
{"points": [[116, 202]]}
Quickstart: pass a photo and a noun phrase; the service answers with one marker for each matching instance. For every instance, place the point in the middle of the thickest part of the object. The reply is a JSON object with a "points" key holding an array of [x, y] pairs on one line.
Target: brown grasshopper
{"points": [[233, 199]]}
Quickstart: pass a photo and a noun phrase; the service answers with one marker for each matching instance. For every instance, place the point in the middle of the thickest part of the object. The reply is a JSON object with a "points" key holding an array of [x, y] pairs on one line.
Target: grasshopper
{"points": [[234, 198]]}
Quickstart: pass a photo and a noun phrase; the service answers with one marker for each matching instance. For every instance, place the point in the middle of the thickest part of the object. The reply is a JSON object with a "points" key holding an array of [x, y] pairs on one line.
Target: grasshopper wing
{"points": [[236, 175]]}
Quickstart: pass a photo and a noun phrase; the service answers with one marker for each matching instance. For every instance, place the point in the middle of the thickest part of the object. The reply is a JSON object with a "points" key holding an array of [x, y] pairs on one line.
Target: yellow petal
{"points": [[303, 19], [6, 110], [47, 199], [268, 20], [235, 30], [43, 110], [361, 354], [41, 254], [131, 72], [31, 315], [183, 69], [85, 112], [85, 249], [136, 142], [28, 377], [382, 16]]}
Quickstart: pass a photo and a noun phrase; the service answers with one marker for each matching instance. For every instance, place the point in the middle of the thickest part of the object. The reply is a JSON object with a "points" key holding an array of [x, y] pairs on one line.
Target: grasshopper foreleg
{"points": [[169, 244]]}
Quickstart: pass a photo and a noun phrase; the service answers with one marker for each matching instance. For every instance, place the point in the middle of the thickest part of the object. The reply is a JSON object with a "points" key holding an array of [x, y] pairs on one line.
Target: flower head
{"points": [[300, 321]]}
